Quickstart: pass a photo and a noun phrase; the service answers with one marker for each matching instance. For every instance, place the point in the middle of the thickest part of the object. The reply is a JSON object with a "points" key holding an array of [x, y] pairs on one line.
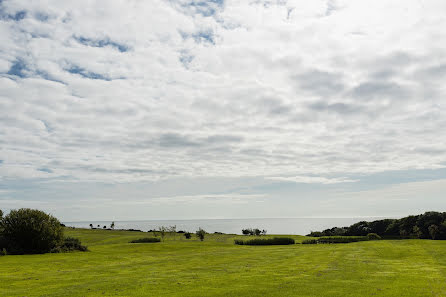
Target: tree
{"points": [[433, 231], [162, 231], [105, 227], [1, 217], [91, 226], [112, 225], [32, 231], [187, 235], [200, 234]]}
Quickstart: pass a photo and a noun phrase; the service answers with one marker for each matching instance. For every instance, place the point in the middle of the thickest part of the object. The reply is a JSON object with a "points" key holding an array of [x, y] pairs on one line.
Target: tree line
{"points": [[430, 225]]}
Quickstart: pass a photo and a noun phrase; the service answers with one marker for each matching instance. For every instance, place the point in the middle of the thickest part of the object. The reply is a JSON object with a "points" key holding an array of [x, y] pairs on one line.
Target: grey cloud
{"points": [[436, 72], [174, 140], [338, 107], [320, 83], [370, 90]]}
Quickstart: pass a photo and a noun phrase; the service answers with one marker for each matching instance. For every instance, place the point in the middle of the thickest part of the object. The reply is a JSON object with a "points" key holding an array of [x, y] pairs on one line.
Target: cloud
{"points": [[312, 179], [285, 89]]}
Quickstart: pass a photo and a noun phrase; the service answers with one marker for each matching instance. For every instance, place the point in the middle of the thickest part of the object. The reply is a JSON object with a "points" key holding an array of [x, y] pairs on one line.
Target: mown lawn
{"points": [[217, 267]]}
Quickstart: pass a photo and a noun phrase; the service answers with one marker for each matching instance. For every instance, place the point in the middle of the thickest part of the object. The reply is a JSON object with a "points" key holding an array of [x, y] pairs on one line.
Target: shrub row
{"points": [[146, 240], [266, 241], [342, 239]]}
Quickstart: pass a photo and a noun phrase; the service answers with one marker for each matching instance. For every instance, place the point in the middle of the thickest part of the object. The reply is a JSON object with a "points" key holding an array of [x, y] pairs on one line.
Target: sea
{"points": [[298, 226]]}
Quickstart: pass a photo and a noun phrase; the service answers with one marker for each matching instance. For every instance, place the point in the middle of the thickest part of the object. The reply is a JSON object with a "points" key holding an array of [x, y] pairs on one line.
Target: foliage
{"points": [[31, 231], [112, 225], [309, 241], [316, 234], [187, 235], [428, 225], [201, 234], [341, 239], [256, 232], [373, 236], [266, 241], [70, 244], [146, 240]]}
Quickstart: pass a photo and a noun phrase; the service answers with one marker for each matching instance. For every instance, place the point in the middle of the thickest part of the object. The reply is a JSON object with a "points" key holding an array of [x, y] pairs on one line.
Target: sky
{"points": [[186, 109]]}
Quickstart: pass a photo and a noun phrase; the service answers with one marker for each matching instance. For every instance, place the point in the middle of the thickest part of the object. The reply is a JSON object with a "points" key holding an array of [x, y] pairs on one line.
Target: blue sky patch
{"points": [[43, 169], [18, 68], [102, 43], [19, 15], [85, 73]]}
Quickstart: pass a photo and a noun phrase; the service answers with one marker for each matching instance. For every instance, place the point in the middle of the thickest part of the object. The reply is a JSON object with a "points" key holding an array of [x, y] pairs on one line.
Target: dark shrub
{"points": [[73, 244], [32, 231], [146, 240], [373, 236], [247, 232], [187, 235], [341, 239], [200, 234], [315, 234], [266, 241], [309, 241], [359, 229]]}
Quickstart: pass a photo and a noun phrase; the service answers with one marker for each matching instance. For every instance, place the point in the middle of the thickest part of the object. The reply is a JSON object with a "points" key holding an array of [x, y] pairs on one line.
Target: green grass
{"points": [[218, 267]]}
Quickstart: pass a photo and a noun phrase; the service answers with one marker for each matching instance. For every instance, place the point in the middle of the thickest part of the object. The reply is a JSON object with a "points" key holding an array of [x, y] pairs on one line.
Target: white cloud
{"points": [[142, 90]]}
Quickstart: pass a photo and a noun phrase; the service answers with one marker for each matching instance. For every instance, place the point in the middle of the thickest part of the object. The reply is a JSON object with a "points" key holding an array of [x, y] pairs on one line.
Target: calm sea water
{"points": [[299, 226]]}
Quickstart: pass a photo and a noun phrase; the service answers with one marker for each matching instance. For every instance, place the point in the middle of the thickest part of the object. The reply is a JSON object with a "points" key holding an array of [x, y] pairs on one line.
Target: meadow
{"points": [[217, 267]]}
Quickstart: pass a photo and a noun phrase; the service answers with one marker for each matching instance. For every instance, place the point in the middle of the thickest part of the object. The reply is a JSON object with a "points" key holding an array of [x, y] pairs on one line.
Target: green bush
{"points": [[73, 244], [187, 235], [146, 240], [266, 241], [201, 233], [309, 241], [373, 236], [31, 231], [341, 239]]}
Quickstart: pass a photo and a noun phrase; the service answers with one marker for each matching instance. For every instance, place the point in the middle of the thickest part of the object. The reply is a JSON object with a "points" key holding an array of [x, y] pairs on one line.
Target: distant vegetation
{"points": [[266, 241], [31, 231], [255, 232], [336, 239], [430, 225], [201, 234], [146, 240]]}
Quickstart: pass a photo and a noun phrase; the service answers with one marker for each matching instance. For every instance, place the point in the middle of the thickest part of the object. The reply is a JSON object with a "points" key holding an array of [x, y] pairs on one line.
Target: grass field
{"points": [[218, 267]]}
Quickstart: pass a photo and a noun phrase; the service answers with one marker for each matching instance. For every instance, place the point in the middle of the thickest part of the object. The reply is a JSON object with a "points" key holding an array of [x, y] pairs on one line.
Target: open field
{"points": [[218, 267]]}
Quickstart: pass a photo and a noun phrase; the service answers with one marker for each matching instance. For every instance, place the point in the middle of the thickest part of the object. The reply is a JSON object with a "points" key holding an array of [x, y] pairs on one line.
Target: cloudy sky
{"points": [[167, 109]]}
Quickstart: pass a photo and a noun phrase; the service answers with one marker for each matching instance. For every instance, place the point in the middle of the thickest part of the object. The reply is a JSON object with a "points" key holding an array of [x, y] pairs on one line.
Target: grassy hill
{"points": [[218, 267]]}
